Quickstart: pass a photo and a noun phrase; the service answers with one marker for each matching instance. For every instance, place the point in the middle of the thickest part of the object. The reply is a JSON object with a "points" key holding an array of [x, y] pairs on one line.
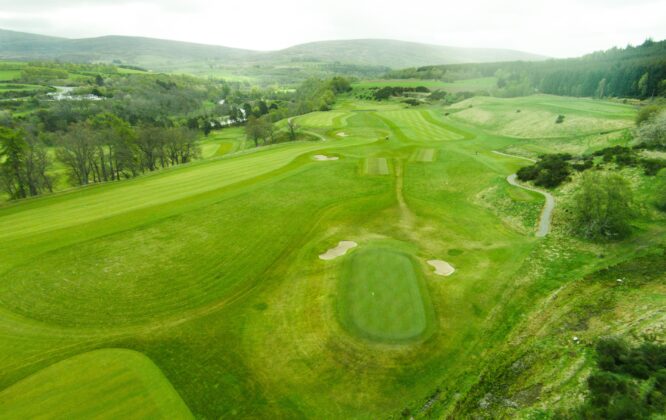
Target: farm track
{"points": [[547, 213]]}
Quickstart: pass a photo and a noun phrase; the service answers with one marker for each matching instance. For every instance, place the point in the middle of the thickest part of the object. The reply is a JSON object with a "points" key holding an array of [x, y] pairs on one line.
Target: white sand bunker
{"points": [[324, 157], [338, 251], [342, 134], [442, 268]]}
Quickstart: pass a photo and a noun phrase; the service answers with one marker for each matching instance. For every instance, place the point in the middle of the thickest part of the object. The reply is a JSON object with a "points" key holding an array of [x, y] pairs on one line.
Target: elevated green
{"points": [[382, 295]]}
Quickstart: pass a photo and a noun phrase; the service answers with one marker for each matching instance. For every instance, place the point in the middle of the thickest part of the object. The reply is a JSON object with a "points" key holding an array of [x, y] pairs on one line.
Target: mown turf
{"points": [[376, 166], [7, 75], [211, 270], [103, 384]]}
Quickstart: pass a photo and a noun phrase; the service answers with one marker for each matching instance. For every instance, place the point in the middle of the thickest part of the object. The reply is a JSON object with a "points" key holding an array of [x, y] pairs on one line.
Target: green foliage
{"points": [[632, 72], [387, 92], [651, 133], [340, 85], [647, 112], [560, 119], [620, 155], [602, 207], [24, 164], [630, 382], [660, 199], [550, 171]]}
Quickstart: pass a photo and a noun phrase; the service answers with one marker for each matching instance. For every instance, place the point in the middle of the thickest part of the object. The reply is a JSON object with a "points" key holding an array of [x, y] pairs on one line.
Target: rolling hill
{"points": [[158, 54]]}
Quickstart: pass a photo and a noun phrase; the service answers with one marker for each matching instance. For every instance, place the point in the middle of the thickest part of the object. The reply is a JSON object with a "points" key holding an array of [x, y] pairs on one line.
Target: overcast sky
{"points": [[560, 28]]}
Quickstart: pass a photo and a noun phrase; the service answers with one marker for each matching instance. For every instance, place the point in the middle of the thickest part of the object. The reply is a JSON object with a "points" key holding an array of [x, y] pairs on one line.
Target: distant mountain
{"points": [[158, 54], [397, 54]]}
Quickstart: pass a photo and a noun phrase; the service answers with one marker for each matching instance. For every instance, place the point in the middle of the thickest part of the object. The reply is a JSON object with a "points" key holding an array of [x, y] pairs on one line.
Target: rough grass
{"points": [[535, 116]]}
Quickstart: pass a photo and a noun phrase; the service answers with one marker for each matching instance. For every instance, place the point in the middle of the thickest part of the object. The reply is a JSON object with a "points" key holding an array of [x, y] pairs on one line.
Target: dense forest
{"points": [[631, 72]]}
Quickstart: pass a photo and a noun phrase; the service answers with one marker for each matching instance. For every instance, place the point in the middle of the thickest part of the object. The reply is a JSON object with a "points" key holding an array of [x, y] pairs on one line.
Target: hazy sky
{"points": [[557, 28]]}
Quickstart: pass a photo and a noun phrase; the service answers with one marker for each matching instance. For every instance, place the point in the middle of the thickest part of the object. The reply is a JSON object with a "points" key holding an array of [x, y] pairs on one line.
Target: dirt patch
{"points": [[442, 268], [324, 157], [338, 251]]}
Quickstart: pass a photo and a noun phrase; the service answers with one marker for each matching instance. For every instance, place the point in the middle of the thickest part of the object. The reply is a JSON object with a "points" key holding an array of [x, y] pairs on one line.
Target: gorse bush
{"points": [[630, 382], [550, 171]]}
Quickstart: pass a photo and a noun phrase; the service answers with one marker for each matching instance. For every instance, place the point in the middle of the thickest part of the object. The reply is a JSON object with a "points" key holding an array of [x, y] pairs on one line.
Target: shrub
{"points": [[646, 113], [652, 133], [550, 171], [615, 389], [560, 119], [602, 207], [653, 166]]}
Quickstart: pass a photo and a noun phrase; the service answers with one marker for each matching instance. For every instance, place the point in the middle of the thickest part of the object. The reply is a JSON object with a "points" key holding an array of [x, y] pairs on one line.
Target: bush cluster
{"points": [[630, 382]]}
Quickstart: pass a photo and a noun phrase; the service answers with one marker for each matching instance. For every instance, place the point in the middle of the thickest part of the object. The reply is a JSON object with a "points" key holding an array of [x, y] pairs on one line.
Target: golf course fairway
{"points": [[264, 283]]}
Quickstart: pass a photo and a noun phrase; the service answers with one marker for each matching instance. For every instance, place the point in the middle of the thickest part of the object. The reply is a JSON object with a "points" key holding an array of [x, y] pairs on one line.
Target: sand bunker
{"points": [[324, 157], [342, 134], [442, 268], [338, 251]]}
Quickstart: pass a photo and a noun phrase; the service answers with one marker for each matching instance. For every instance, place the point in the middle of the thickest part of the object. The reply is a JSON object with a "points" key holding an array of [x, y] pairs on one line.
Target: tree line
{"points": [[104, 148], [631, 72]]}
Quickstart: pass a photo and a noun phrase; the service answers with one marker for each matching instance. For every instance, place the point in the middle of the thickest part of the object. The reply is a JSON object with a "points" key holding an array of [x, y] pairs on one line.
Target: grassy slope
{"points": [[211, 270], [110, 383]]}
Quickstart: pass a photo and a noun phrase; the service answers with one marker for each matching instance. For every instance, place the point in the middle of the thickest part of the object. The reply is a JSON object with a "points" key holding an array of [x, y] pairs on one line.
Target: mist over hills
{"points": [[164, 55]]}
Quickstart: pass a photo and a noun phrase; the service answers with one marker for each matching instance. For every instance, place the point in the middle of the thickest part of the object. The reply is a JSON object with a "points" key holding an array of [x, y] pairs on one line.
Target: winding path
{"points": [[547, 212]]}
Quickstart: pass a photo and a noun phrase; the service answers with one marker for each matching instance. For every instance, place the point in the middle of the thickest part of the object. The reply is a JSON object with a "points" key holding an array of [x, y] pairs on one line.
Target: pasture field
{"points": [[199, 291]]}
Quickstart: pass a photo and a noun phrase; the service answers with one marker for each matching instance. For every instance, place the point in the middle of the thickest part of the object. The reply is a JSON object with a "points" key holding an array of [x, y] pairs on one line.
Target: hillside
{"points": [[631, 72], [130, 50], [219, 289], [158, 54], [395, 54]]}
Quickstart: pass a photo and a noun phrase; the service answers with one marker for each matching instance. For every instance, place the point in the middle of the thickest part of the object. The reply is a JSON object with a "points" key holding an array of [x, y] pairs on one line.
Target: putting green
{"points": [[382, 297], [109, 383]]}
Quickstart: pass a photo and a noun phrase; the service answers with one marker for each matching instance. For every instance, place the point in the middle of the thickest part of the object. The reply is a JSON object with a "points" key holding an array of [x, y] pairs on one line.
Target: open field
{"points": [[209, 277]]}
